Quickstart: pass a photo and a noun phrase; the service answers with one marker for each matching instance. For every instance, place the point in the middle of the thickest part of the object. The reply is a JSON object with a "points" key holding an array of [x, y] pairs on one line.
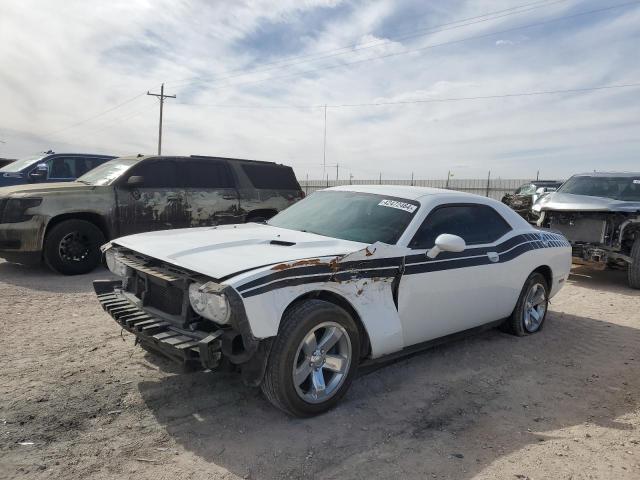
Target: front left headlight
{"points": [[213, 306], [115, 265]]}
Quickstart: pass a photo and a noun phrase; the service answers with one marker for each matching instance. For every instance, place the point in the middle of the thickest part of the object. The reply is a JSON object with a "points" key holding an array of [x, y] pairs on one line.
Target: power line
{"points": [[354, 48], [81, 122], [428, 47], [418, 101]]}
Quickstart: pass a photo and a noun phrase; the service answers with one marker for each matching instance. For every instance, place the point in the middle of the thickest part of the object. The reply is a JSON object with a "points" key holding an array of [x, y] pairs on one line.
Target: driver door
{"points": [[454, 291]]}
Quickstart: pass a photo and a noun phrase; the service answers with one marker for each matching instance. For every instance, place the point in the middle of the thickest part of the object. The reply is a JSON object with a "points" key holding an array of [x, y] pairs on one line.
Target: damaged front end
{"points": [[188, 318], [597, 238]]}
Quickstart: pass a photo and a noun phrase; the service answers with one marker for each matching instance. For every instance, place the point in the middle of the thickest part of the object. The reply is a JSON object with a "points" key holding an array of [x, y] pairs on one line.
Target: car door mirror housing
{"points": [[446, 242], [135, 181], [39, 173]]}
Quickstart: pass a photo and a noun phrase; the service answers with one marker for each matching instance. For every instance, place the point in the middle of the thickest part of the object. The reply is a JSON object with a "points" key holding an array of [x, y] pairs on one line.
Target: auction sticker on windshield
{"points": [[407, 207]]}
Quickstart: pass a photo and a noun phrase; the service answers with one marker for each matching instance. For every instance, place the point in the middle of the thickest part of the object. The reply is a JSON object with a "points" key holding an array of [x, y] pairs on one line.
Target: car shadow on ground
{"points": [[39, 277], [608, 280], [458, 407]]}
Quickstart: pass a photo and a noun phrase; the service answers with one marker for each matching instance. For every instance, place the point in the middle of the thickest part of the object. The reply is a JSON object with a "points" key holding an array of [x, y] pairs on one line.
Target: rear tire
{"points": [[531, 310], [72, 247], [633, 271], [298, 364]]}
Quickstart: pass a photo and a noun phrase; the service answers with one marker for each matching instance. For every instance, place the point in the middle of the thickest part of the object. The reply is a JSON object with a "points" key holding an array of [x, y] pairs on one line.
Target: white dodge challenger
{"points": [[345, 277]]}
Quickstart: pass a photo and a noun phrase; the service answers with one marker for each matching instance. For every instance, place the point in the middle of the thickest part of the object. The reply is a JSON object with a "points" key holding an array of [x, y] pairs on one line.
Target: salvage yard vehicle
{"points": [[527, 195], [346, 277], [65, 223], [600, 215], [50, 167]]}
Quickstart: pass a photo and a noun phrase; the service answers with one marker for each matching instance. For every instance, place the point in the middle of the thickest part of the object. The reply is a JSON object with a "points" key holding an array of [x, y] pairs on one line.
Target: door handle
{"points": [[493, 256]]}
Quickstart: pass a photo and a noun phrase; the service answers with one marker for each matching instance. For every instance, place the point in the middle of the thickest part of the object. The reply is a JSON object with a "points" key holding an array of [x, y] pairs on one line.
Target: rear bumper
{"points": [[194, 349]]}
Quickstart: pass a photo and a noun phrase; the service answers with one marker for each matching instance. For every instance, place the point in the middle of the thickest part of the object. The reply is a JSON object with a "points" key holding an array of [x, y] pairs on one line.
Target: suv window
{"points": [[61, 167], [206, 174], [156, 174], [274, 177], [476, 224]]}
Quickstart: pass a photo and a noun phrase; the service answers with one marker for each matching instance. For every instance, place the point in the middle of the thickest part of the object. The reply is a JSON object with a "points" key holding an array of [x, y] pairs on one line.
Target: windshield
{"points": [[19, 165], [106, 173], [359, 217], [527, 189], [618, 188]]}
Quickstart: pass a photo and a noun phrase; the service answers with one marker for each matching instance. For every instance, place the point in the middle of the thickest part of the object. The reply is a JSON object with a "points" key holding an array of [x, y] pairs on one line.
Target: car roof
{"points": [[204, 157], [402, 191], [608, 174], [56, 154]]}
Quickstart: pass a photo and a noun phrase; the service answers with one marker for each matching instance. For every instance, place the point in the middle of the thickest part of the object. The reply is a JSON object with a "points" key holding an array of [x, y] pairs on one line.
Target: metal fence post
{"points": [[488, 183]]}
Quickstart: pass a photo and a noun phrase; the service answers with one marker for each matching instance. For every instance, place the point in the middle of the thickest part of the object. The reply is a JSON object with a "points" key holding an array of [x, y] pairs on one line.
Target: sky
{"points": [[252, 78]]}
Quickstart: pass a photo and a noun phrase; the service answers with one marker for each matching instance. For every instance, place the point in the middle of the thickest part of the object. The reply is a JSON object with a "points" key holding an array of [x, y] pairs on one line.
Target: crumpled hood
{"points": [[33, 189], [570, 202], [219, 252]]}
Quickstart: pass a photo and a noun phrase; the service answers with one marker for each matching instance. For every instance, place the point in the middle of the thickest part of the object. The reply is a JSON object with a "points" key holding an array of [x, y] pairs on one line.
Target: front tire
{"points": [[531, 310], [313, 359], [633, 272], [72, 247]]}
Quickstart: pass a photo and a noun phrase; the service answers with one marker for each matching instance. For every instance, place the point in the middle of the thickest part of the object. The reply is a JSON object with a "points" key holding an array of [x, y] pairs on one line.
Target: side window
{"points": [[206, 175], [273, 177], [61, 168], [156, 174], [476, 224], [84, 164]]}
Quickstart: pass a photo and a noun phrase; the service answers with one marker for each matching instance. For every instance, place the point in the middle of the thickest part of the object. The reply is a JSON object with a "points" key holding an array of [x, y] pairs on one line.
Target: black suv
{"points": [[65, 223]]}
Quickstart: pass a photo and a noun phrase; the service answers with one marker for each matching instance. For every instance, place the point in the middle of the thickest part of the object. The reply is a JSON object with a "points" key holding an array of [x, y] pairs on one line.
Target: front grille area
{"points": [[167, 299]]}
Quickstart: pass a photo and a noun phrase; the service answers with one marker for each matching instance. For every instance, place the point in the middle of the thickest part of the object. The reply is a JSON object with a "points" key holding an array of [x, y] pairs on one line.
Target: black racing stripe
{"points": [[388, 267], [334, 277], [287, 282], [381, 272], [434, 266], [322, 268]]}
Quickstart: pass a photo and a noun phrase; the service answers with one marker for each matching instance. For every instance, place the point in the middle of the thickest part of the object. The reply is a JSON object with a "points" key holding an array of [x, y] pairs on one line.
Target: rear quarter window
{"points": [[272, 177]]}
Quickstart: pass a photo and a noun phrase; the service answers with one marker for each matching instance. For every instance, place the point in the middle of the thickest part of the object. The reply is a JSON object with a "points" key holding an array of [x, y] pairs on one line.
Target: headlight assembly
{"points": [[15, 209], [213, 306], [115, 265]]}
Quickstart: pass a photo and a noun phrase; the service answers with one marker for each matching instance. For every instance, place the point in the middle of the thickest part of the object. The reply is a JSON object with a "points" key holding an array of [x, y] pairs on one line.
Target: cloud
{"points": [[66, 62]]}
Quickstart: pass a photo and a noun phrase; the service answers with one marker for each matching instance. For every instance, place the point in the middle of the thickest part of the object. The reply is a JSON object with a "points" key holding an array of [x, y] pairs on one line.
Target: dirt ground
{"points": [[77, 400]]}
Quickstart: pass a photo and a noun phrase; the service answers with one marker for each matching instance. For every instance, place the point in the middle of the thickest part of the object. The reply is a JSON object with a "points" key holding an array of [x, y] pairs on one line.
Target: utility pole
{"points": [[488, 183], [337, 172], [161, 96]]}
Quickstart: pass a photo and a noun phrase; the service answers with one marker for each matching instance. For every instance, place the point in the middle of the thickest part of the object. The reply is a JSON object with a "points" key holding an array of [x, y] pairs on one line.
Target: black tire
{"points": [[72, 247], [278, 384], [516, 323], [633, 271]]}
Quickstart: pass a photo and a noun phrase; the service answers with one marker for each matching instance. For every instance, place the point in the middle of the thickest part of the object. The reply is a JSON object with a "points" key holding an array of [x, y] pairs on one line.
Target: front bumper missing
{"points": [[194, 349]]}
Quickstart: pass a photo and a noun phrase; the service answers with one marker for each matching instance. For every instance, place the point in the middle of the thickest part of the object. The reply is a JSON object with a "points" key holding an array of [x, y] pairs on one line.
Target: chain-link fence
{"points": [[494, 188]]}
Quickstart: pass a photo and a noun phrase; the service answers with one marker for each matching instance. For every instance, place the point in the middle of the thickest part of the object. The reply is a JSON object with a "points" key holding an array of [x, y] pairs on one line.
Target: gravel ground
{"points": [[77, 400]]}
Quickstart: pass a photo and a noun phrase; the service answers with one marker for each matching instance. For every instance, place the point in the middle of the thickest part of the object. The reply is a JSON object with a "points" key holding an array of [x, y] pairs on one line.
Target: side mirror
{"points": [[135, 181], [40, 173], [447, 243]]}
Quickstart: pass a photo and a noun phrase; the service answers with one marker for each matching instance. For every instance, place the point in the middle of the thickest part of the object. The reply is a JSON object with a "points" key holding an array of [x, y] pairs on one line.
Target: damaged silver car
{"points": [[599, 213]]}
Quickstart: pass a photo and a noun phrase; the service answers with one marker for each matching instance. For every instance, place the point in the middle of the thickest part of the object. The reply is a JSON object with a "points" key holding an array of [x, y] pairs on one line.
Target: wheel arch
{"points": [[94, 218], [547, 273], [342, 302]]}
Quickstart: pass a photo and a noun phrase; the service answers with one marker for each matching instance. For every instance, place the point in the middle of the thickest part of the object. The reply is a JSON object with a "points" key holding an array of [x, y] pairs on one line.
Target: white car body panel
{"points": [[431, 304]]}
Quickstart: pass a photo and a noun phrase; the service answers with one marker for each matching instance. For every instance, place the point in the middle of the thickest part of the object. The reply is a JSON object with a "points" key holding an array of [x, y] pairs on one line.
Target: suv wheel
{"points": [[313, 359], [531, 310], [72, 247], [633, 273]]}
